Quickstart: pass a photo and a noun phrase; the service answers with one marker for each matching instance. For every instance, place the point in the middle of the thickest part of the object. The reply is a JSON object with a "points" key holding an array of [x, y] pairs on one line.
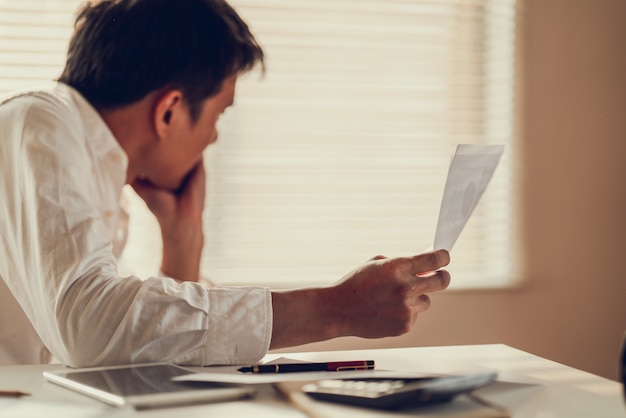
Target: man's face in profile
{"points": [[177, 156]]}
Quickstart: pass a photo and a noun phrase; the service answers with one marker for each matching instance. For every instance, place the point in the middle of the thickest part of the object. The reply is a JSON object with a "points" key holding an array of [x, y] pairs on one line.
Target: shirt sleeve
{"points": [[62, 270], [160, 319]]}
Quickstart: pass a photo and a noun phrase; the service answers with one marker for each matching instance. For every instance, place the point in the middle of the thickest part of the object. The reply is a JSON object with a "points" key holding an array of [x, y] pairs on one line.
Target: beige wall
{"points": [[572, 308]]}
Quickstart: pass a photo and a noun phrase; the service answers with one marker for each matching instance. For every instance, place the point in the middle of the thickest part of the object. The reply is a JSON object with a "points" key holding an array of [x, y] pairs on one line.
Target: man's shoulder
{"points": [[53, 98], [42, 119], [41, 114]]}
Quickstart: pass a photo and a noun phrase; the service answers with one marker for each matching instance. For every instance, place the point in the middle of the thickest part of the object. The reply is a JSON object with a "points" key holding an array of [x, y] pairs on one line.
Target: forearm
{"points": [[303, 316], [182, 252]]}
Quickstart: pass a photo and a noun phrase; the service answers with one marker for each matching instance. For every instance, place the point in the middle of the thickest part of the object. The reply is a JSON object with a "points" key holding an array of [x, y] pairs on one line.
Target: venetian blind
{"points": [[340, 151]]}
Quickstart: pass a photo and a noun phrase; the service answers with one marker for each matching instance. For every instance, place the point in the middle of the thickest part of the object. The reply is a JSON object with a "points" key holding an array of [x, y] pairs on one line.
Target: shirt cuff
{"points": [[240, 324]]}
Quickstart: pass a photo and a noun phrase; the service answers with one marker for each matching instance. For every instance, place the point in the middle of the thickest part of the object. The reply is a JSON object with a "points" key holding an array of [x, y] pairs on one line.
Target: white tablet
{"points": [[144, 386]]}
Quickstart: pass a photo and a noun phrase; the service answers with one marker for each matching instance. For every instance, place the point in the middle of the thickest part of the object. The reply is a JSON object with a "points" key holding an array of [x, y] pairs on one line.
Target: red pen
{"points": [[333, 366]]}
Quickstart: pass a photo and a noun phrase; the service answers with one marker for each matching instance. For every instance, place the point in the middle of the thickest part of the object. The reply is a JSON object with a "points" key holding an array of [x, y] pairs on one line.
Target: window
{"points": [[340, 152]]}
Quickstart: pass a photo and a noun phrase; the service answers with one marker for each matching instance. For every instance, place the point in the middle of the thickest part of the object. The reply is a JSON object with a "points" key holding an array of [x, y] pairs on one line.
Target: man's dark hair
{"points": [[122, 50]]}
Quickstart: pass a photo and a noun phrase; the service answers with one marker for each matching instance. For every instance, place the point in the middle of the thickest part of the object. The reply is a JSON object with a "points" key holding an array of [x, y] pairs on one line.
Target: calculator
{"points": [[390, 393]]}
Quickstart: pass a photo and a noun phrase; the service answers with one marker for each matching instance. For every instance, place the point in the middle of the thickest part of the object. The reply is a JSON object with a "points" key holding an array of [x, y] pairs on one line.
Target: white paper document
{"points": [[471, 170], [262, 378]]}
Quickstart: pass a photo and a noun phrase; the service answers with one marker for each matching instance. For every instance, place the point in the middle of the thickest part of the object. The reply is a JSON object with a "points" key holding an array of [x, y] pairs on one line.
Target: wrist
{"points": [[331, 309], [305, 316], [182, 254]]}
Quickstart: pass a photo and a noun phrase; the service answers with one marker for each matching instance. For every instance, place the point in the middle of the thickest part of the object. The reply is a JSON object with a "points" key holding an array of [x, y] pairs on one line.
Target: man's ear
{"points": [[167, 104]]}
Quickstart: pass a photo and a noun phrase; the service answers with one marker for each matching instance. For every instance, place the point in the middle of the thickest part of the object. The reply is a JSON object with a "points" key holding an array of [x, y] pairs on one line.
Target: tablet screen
{"points": [[143, 385]]}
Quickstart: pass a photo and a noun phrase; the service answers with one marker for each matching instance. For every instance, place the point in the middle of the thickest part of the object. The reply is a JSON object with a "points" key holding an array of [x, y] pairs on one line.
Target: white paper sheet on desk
{"points": [[471, 170], [261, 378]]}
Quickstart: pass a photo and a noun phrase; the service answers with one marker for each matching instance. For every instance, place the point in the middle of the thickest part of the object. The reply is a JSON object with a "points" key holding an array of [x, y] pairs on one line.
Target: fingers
{"points": [[420, 304], [422, 272], [191, 196], [195, 181], [429, 261], [435, 282], [403, 324]]}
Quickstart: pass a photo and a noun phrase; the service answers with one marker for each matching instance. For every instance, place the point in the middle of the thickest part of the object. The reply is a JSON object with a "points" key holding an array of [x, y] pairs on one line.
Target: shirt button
{"points": [[108, 213], [116, 158]]}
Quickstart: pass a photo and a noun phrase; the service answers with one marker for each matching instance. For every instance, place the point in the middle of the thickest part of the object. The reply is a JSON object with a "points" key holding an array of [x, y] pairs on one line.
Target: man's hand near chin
{"points": [[179, 214]]}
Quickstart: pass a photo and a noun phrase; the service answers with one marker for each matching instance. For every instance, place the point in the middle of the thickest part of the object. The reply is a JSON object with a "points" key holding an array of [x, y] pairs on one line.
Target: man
{"points": [[137, 103]]}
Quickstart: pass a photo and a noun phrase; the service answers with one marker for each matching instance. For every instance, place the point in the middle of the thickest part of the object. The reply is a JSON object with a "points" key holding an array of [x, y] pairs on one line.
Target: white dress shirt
{"points": [[62, 174]]}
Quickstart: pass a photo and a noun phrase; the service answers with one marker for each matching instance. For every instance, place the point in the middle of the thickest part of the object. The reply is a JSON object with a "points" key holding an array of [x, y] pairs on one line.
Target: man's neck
{"points": [[132, 127]]}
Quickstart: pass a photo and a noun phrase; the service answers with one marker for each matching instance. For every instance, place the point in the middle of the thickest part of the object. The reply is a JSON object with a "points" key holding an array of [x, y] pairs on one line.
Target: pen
{"points": [[334, 366], [12, 394]]}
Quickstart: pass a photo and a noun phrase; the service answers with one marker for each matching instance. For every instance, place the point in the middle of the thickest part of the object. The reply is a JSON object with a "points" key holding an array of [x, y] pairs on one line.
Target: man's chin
{"points": [[170, 186]]}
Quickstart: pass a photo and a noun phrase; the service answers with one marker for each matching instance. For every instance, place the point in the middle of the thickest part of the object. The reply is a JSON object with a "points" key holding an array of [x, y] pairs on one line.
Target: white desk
{"points": [[529, 386]]}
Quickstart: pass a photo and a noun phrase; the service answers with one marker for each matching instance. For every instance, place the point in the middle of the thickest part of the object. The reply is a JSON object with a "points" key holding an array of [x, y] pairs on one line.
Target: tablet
{"points": [[144, 386]]}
